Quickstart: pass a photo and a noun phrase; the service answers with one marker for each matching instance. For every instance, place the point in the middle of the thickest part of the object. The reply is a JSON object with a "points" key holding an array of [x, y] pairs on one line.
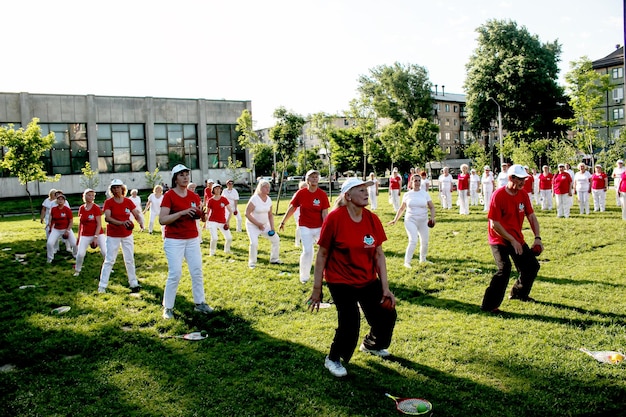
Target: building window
{"points": [[447, 136], [618, 73], [69, 151], [456, 122], [455, 109], [176, 143], [618, 94], [447, 107], [618, 113], [121, 147], [223, 142]]}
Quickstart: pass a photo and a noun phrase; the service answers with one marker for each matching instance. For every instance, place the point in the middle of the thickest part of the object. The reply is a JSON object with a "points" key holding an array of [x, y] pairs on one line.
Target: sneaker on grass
{"points": [[168, 313], [335, 368], [203, 308], [383, 353]]}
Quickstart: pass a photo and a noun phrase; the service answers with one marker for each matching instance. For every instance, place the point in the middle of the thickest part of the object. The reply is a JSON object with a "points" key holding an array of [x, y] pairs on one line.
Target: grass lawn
{"points": [[264, 354]]}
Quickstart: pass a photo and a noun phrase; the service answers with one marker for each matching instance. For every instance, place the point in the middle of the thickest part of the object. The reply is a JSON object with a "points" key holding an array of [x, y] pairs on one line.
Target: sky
{"points": [[304, 56]]}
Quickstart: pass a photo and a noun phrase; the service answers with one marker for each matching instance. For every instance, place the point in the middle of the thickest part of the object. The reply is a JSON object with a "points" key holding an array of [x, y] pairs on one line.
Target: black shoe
{"points": [[135, 289], [523, 299], [276, 263]]}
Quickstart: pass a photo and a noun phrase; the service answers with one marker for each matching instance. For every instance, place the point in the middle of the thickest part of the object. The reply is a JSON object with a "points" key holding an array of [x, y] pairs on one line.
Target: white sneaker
{"points": [[335, 368], [168, 313], [203, 308], [383, 353], [102, 290], [77, 273], [304, 281], [407, 265]]}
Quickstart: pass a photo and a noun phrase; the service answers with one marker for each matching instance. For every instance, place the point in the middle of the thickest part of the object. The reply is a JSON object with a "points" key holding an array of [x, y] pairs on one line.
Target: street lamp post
{"points": [[499, 128]]}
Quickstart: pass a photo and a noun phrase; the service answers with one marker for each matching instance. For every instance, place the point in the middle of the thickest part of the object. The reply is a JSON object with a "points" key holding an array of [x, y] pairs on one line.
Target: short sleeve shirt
{"points": [[508, 210], [217, 209], [184, 227], [121, 212], [88, 222], [60, 217], [311, 205]]}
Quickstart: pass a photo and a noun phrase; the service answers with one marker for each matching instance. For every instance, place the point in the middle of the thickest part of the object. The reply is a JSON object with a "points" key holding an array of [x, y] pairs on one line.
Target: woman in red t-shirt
{"points": [[351, 260], [180, 209], [599, 185], [60, 224], [117, 213], [395, 185], [90, 230], [217, 206], [463, 185]]}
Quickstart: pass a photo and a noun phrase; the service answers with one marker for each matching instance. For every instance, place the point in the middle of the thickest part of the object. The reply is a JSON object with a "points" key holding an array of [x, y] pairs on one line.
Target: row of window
{"points": [[122, 146]]}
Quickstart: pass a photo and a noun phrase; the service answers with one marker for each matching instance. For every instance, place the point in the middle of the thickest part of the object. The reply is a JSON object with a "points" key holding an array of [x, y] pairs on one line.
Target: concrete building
{"points": [[613, 103], [123, 137]]}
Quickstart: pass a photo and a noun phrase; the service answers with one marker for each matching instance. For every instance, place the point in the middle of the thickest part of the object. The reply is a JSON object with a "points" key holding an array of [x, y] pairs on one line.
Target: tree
{"points": [[90, 178], [153, 178], [263, 160], [364, 120], [518, 71], [24, 150], [399, 92], [347, 149], [587, 90], [285, 135], [248, 139], [478, 155], [395, 138], [426, 148]]}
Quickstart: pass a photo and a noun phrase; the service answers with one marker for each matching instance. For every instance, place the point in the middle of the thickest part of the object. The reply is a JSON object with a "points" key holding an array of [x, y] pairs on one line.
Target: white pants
{"points": [[153, 215], [616, 182], [253, 234], [394, 196], [446, 198], [623, 201], [487, 192], [473, 196], [237, 215], [309, 237], [546, 199], [84, 243], [175, 251], [228, 237], [599, 199], [372, 197], [583, 201], [463, 202], [296, 217], [416, 228], [563, 205], [128, 252], [53, 239]]}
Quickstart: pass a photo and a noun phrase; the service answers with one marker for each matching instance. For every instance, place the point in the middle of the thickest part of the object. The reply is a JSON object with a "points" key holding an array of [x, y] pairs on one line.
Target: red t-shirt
{"points": [[508, 210], [463, 182], [311, 206], [60, 217], [598, 181], [622, 184], [87, 225], [351, 247], [395, 182], [120, 212], [545, 181], [185, 227], [217, 209], [562, 183], [528, 185]]}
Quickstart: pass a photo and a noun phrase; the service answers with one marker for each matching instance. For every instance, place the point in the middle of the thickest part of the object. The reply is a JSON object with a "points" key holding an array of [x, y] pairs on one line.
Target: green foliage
{"points": [[347, 149], [563, 152], [309, 159], [153, 178], [395, 138], [399, 92], [425, 147], [264, 354], [248, 138], [263, 159], [233, 169], [90, 178], [613, 152], [285, 133], [479, 157], [520, 73]]}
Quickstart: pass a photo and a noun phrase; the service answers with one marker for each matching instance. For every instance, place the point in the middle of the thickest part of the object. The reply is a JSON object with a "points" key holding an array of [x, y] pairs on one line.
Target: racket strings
{"points": [[413, 406]]}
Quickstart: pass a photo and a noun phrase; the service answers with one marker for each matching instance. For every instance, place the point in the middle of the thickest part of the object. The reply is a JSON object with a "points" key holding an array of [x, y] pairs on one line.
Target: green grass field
{"points": [[264, 353]]}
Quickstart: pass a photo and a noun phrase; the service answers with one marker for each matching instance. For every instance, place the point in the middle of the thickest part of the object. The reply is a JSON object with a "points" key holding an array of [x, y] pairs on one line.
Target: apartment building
{"points": [[613, 103]]}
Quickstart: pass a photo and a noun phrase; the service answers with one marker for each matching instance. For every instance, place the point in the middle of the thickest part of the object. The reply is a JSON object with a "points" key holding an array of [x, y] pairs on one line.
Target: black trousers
{"points": [[382, 321], [527, 266]]}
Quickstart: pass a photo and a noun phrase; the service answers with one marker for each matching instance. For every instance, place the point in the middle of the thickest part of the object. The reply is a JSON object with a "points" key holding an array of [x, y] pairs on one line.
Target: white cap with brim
{"points": [[215, 186], [486, 168], [178, 168], [311, 172], [117, 182], [354, 182], [517, 171], [89, 190], [619, 161]]}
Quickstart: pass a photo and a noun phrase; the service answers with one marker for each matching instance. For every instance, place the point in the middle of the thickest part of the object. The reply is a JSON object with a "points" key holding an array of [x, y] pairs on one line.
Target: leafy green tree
{"points": [[248, 138], [587, 89], [364, 119], [518, 71], [90, 178], [425, 147], [153, 178], [347, 149], [263, 160], [233, 169], [395, 138], [614, 151], [399, 92], [309, 159], [478, 155], [24, 149], [284, 134]]}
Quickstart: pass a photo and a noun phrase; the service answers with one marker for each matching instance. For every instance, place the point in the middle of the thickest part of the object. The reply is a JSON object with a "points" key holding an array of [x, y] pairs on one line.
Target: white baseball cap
{"points": [[619, 161], [178, 168], [486, 168], [311, 172], [117, 182], [517, 171], [354, 182]]}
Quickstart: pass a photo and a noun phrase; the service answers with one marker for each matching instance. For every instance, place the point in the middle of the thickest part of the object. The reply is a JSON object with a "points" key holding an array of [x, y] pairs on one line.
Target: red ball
{"points": [[94, 244], [536, 249], [431, 223], [129, 225], [226, 226], [66, 235], [387, 304]]}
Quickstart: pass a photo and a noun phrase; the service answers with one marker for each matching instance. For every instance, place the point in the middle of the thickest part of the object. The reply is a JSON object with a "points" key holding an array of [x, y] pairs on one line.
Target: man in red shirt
{"points": [[545, 188], [562, 185], [509, 206]]}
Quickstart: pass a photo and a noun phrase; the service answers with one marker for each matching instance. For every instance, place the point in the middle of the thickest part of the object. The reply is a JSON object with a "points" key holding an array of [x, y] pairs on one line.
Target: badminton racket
{"points": [[189, 336], [605, 356], [412, 406]]}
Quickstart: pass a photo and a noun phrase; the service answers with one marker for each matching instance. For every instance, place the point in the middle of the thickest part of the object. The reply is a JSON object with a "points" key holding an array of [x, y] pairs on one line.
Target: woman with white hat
{"points": [[180, 209], [60, 225], [90, 230], [351, 260], [260, 222], [488, 183], [117, 213], [395, 185], [217, 207]]}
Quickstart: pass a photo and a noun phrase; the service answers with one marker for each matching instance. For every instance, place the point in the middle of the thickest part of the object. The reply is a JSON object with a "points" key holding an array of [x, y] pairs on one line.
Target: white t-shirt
{"points": [[474, 181], [155, 203], [416, 204], [137, 201], [617, 174], [503, 179], [582, 181], [487, 179], [425, 184], [232, 196], [261, 209], [445, 182]]}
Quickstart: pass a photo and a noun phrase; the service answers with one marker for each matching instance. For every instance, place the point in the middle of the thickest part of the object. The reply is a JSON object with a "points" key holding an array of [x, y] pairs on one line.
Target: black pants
{"points": [[381, 321], [526, 265]]}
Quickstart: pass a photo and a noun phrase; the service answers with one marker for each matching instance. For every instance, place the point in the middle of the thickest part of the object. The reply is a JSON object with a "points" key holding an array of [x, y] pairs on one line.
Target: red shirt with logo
{"points": [[217, 209], [562, 183], [351, 247], [598, 181], [87, 225], [529, 184], [60, 217], [508, 210], [395, 182], [121, 212], [463, 182], [311, 206], [545, 181], [185, 227]]}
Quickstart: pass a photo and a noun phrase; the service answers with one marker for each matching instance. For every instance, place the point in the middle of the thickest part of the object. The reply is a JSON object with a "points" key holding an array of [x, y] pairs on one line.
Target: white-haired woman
{"points": [[487, 183], [445, 188], [417, 204], [351, 260], [260, 222], [154, 205], [372, 191], [90, 230], [118, 210], [582, 187], [395, 185], [463, 185], [134, 197]]}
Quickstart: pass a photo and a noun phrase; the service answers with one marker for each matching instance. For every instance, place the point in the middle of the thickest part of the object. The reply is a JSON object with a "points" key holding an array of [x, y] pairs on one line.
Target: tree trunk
{"points": [[30, 199]]}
